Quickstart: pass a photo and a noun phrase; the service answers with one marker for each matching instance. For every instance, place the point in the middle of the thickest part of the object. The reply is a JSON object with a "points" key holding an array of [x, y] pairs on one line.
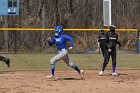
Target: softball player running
{"points": [[110, 50], [60, 40]]}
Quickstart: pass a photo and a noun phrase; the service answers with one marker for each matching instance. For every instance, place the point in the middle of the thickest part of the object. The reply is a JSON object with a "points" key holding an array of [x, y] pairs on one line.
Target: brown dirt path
{"points": [[70, 82]]}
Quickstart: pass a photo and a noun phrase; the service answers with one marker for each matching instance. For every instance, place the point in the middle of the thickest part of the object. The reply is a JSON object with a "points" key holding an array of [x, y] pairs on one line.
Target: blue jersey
{"points": [[61, 41]]}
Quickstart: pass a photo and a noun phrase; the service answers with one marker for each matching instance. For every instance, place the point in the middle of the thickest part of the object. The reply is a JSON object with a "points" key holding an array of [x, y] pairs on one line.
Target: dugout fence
{"points": [[34, 40]]}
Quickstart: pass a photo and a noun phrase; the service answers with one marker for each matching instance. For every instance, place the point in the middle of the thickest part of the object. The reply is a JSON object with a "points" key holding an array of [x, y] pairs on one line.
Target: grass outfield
{"points": [[27, 62]]}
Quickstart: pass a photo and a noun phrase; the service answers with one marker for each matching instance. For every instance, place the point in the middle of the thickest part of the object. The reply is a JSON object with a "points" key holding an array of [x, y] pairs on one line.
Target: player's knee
{"points": [[105, 62], [52, 61]]}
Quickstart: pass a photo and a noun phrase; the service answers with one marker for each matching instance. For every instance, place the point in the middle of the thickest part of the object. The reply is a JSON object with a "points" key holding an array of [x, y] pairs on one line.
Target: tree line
{"points": [[69, 14]]}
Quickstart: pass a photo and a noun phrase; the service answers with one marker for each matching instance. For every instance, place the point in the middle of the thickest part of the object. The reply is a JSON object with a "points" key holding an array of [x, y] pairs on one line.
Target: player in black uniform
{"points": [[6, 60], [102, 40], [112, 41]]}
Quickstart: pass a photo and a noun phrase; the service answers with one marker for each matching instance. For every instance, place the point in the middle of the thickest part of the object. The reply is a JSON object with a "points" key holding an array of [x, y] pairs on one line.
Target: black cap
{"points": [[112, 28]]}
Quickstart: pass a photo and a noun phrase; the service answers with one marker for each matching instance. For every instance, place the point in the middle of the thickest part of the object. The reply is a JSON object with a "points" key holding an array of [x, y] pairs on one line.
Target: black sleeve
{"points": [[117, 42]]}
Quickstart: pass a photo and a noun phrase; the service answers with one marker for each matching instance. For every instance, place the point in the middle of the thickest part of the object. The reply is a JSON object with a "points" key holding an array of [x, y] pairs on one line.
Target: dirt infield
{"points": [[70, 82]]}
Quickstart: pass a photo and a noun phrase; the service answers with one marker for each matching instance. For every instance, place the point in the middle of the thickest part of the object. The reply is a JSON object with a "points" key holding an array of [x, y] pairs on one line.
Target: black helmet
{"points": [[112, 29], [112, 26]]}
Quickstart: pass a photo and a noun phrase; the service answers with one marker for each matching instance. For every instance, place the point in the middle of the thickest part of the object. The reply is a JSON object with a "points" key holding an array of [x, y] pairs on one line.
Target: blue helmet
{"points": [[58, 29]]}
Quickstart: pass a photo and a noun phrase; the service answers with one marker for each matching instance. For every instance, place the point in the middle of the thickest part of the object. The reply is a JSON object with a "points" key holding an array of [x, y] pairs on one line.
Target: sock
{"points": [[76, 68], [113, 67], [52, 69]]}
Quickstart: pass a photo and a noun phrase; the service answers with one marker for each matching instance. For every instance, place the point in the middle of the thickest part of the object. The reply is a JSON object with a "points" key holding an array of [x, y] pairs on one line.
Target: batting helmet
{"points": [[112, 28], [58, 29]]}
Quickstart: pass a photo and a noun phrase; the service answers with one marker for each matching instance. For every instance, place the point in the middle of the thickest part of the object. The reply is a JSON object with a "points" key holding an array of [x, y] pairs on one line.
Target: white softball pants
{"points": [[62, 55]]}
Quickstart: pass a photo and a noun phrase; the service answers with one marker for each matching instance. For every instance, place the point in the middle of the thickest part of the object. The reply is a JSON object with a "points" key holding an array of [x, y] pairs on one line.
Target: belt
{"points": [[62, 49]]}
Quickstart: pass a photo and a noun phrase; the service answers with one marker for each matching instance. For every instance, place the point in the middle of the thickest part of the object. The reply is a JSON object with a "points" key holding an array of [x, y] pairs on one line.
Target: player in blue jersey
{"points": [[60, 39]]}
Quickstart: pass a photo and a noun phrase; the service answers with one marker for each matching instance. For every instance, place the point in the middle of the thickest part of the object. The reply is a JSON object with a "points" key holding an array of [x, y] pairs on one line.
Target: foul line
{"points": [[70, 29]]}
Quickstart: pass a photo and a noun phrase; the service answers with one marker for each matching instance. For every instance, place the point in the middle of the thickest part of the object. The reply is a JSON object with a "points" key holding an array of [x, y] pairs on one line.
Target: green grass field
{"points": [[27, 62]]}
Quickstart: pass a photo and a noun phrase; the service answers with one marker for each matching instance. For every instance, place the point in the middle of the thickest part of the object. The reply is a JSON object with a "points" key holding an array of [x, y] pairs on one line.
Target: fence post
{"points": [[138, 42], [15, 50]]}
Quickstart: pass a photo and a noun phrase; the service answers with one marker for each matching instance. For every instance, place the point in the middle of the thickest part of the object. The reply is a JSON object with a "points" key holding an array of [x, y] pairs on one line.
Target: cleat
{"points": [[82, 73], [101, 73], [50, 77], [115, 74]]}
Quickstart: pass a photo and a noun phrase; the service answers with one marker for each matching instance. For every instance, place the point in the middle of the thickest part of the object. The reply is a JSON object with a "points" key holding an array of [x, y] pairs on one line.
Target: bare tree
{"points": [[69, 14]]}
